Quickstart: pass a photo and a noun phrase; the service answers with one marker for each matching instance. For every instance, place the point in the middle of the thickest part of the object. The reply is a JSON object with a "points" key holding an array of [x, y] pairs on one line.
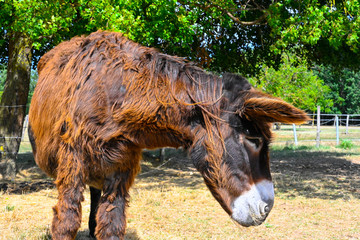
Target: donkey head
{"points": [[236, 168]]}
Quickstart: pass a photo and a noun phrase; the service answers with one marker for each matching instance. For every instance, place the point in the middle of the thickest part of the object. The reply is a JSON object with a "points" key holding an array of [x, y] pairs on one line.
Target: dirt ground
{"points": [[317, 197], [321, 174]]}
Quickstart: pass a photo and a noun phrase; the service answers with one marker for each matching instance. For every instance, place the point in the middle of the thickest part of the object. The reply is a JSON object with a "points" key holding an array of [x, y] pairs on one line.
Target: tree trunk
{"points": [[13, 102]]}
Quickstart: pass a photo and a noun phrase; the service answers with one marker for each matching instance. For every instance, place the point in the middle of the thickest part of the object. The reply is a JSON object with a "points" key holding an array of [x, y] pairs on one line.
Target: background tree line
{"points": [[336, 91], [304, 51]]}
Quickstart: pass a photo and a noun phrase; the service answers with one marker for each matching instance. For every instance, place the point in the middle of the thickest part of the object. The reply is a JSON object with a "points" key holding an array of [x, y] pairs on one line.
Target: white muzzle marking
{"points": [[252, 207]]}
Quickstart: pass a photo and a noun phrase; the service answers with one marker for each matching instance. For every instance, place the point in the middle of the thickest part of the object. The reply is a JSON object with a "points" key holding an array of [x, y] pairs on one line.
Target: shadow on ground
{"points": [[308, 173], [316, 174], [131, 234], [177, 170], [29, 178]]}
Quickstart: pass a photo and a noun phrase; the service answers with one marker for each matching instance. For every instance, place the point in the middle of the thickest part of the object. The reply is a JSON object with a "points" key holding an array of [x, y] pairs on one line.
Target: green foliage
{"points": [[33, 80], [326, 31], [235, 36], [346, 144], [9, 208], [294, 83], [3, 74], [160, 23], [344, 85], [39, 20]]}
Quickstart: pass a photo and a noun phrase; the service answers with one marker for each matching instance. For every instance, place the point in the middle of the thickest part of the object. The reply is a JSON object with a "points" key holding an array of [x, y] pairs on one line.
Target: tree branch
{"points": [[255, 22], [246, 23], [235, 19]]}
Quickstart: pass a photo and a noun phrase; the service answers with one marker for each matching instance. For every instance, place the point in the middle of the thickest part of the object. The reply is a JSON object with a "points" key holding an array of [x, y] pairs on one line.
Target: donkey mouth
{"points": [[252, 207], [248, 221]]}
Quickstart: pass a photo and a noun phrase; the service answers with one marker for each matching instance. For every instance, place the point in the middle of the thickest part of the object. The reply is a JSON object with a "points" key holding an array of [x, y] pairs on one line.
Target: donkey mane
{"points": [[159, 85], [155, 69]]}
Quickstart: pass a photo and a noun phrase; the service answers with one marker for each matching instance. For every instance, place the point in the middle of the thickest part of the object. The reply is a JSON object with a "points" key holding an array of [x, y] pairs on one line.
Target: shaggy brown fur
{"points": [[101, 99]]}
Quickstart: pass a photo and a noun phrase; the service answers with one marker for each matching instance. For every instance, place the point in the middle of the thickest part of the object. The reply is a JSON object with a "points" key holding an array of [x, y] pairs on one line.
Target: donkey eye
{"points": [[254, 142], [246, 132]]}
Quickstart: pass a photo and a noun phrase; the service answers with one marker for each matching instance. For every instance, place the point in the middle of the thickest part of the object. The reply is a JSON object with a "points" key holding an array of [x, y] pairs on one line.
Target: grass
{"points": [[317, 197], [308, 133], [25, 145], [346, 144]]}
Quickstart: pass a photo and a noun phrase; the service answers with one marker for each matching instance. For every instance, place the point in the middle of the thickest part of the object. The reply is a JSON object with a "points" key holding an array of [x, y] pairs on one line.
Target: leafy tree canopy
{"points": [[237, 36], [219, 35], [294, 83], [344, 85], [327, 31], [163, 24]]}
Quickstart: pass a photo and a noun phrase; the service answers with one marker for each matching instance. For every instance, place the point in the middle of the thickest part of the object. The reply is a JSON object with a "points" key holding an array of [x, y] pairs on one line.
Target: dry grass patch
{"points": [[317, 197]]}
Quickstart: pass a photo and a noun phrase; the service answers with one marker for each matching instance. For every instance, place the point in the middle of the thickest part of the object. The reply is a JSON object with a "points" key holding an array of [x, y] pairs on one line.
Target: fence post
{"points": [[26, 123], [295, 136], [162, 154], [318, 127], [347, 125], [337, 129]]}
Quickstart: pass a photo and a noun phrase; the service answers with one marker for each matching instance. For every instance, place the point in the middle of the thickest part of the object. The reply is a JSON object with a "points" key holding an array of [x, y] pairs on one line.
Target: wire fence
{"points": [[325, 129], [331, 130], [344, 119]]}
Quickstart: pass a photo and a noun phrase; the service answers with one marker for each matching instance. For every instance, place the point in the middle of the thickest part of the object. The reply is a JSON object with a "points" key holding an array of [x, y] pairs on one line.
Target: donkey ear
{"points": [[233, 84], [261, 107]]}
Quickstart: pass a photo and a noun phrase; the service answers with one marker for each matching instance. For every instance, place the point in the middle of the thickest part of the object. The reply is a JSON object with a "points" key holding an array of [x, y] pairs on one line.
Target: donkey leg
{"points": [[110, 217], [95, 195], [70, 185]]}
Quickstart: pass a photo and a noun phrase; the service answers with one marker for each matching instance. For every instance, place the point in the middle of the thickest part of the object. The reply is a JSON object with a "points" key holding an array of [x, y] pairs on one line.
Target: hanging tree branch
{"points": [[257, 7], [246, 23]]}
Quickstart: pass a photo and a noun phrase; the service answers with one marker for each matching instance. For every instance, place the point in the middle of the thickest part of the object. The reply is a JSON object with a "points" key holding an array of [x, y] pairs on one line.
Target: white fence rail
{"points": [[324, 129]]}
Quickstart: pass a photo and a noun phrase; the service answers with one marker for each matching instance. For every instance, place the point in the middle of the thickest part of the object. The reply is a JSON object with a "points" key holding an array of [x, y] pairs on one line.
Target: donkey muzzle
{"points": [[252, 207]]}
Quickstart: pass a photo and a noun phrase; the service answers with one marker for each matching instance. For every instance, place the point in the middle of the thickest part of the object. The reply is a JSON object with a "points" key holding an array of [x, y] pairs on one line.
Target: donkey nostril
{"points": [[266, 209]]}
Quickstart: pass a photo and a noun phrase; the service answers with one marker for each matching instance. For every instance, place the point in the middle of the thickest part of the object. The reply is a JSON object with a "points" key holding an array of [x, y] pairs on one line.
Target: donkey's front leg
{"points": [[70, 185], [110, 217], [95, 195]]}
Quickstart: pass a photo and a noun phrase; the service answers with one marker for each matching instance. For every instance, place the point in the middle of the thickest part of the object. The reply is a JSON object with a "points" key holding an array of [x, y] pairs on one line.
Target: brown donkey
{"points": [[101, 99]]}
